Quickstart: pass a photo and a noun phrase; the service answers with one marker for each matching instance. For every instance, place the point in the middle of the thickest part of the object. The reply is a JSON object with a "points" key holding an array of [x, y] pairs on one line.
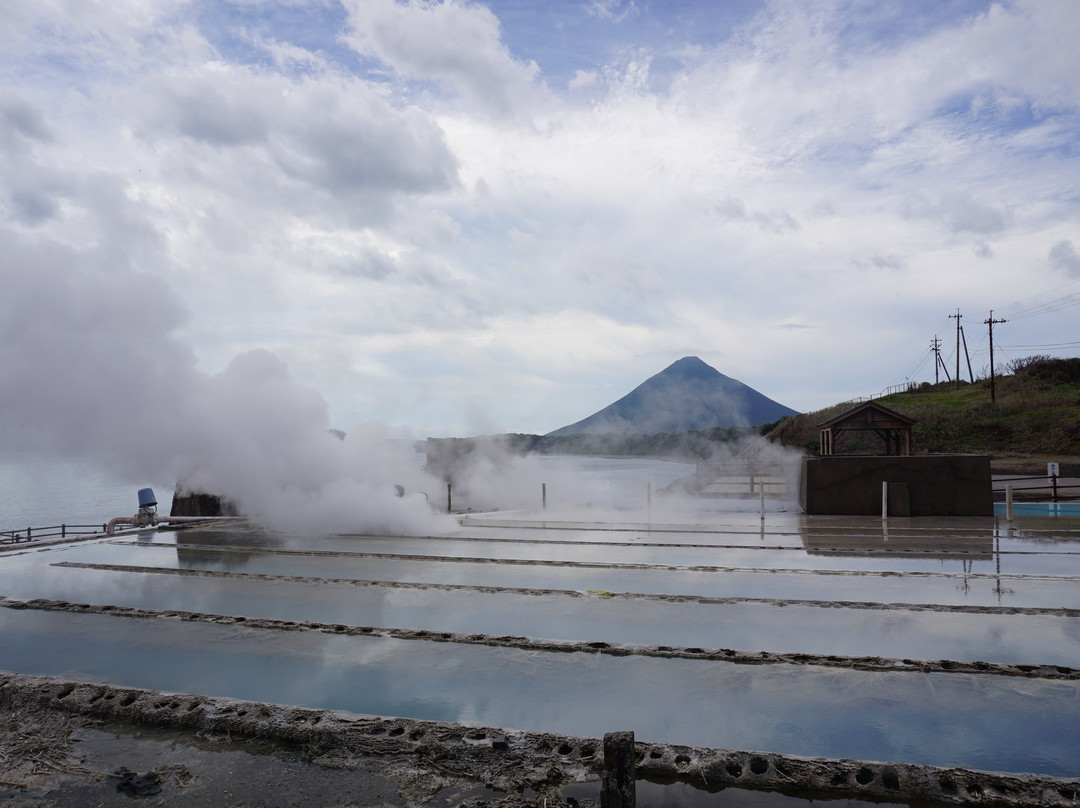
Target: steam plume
{"points": [[91, 368]]}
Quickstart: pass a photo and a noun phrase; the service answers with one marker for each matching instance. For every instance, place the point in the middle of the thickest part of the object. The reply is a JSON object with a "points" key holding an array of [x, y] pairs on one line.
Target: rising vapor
{"points": [[91, 368]]}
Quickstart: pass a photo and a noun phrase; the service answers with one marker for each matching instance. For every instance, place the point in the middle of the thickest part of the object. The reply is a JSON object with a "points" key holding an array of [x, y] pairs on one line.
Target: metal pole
{"points": [[958, 315], [449, 508], [762, 501], [884, 500], [991, 322], [543, 495], [1008, 503], [967, 355]]}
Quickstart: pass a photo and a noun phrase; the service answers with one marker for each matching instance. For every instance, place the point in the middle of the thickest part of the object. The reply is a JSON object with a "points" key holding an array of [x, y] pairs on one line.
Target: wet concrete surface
{"points": [[855, 572]]}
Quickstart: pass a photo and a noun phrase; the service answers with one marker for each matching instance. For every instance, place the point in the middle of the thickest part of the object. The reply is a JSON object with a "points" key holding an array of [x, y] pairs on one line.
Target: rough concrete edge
{"points": [[866, 664], [657, 597], [536, 562], [514, 760]]}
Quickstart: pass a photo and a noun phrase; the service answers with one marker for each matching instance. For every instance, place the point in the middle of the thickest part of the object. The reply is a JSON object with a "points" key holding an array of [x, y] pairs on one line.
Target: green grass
{"points": [[1036, 414]]}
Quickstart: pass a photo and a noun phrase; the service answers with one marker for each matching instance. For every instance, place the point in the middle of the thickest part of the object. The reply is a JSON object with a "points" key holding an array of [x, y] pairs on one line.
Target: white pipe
{"points": [[194, 519], [110, 529], [154, 520]]}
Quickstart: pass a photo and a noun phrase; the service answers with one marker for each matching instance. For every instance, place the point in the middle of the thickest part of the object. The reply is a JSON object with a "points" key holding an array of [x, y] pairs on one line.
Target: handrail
{"points": [[27, 534], [49, 531], [1040, 482]]}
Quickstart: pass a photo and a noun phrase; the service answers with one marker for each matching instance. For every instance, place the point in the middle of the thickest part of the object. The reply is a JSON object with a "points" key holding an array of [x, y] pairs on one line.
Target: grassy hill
{"points": [[1036, 417]]}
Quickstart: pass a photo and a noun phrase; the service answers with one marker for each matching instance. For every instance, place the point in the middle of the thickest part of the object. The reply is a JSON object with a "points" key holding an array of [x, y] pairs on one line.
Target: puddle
{"points": [[199, 772]]}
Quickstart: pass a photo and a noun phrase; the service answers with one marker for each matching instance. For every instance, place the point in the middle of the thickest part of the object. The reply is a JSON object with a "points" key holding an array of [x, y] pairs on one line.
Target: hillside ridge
{"points": [[1036, 416]]}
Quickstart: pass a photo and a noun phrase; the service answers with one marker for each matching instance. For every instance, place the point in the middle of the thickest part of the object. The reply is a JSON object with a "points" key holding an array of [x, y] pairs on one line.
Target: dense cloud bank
{"points": [[469, 218]]}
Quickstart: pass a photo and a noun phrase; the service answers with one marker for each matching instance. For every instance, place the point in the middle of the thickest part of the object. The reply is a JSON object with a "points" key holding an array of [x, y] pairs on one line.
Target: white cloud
{"points": [[1064, 257], [455, 44], [425, 231]]}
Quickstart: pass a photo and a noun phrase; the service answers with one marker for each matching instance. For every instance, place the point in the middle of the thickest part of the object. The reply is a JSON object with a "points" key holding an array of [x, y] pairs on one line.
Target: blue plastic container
{"points": [[146, 498]]}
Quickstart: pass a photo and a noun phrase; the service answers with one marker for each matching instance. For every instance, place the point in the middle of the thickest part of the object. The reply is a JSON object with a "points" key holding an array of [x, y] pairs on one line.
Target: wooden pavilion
{"points": [[891, 426]]}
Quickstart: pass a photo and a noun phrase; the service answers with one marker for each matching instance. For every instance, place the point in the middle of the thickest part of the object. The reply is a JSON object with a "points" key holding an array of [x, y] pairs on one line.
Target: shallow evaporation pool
{"points": [[914, 590], [983, 722], [1044, 636], [1011, 581], [965, 559], [26, 576]]}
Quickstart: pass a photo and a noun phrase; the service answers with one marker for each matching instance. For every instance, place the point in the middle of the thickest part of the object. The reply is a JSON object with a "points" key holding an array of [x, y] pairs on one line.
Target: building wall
{"points": [[937, 485]]}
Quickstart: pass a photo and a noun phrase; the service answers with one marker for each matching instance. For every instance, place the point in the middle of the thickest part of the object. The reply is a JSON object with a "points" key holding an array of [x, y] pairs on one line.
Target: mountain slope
{"points": [[688, 394]]}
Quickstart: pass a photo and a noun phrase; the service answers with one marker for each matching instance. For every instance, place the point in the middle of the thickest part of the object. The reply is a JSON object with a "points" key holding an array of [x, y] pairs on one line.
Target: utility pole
{"points": [[963, 335], [990, 322], [957, 317], [935, 346]]}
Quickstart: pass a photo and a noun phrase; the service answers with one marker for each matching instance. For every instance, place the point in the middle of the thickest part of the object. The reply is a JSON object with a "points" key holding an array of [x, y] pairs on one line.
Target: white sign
{"points": [[1053, 470]]}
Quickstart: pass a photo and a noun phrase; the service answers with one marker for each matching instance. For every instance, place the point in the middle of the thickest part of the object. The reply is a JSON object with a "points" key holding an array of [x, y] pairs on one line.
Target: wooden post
{"points": [[449, 501], [617, 788], [543, 495], [1008, 504], [884, 500]]}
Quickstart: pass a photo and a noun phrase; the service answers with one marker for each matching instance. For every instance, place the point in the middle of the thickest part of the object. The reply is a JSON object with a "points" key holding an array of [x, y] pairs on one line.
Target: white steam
{"points": [[90, 368], [489, 475]]}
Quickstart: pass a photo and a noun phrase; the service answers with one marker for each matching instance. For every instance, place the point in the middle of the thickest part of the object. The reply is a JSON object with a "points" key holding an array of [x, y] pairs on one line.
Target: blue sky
{"points": [[456, 218]]}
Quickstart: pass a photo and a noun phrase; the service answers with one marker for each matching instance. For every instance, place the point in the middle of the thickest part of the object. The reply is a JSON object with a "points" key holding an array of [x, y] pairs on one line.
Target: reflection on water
{"points": [[844, 586], [983, 722]]}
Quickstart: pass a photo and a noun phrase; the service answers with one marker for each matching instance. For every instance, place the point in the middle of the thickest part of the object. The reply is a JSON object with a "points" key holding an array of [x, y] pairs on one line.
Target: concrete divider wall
{"points": [[937, 485]]}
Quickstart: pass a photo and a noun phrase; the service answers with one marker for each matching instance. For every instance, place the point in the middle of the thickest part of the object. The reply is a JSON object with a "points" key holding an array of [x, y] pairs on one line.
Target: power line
{"points": [[1049, 307], [1047, 347], [1028, 307], [913, 367]]}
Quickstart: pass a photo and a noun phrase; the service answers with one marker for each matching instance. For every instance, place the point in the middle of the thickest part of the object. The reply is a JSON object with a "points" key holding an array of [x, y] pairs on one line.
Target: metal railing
{"points": [[897, 388], [26, 534], [1037, 487]]}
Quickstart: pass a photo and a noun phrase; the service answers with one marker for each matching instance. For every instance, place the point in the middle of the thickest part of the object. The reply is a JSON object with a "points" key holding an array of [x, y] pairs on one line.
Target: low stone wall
{"points": [[520, 763], [936, 485]]}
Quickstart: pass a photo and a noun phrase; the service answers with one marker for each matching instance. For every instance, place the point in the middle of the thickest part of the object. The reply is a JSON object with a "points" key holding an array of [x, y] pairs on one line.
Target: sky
{"points": [[461, 218]]}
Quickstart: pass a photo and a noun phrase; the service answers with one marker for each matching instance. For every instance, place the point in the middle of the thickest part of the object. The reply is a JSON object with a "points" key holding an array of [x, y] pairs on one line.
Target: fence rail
{"points": [[1039, 487], [26, 534]]}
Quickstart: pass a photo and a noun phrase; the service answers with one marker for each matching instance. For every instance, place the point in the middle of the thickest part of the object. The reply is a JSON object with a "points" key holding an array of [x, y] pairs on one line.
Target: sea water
{"points": [[37, 492]]}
